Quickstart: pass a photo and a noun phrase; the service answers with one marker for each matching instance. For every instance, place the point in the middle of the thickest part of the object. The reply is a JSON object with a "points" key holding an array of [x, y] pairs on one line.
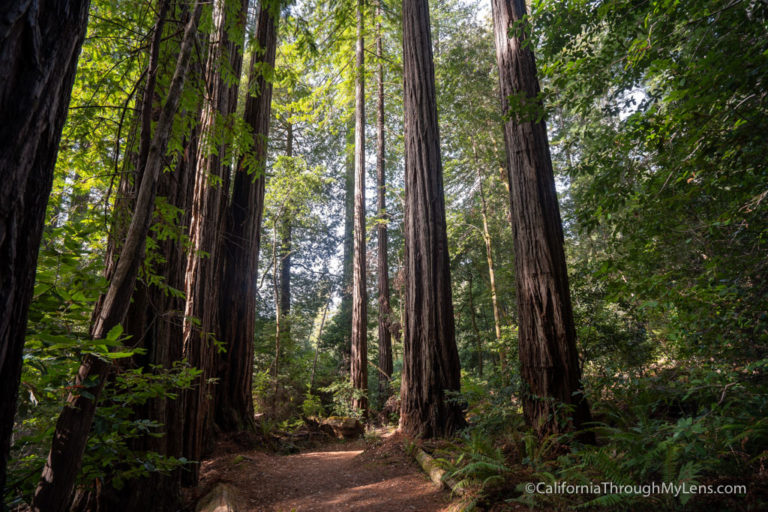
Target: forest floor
{"points": [[332, 475]]}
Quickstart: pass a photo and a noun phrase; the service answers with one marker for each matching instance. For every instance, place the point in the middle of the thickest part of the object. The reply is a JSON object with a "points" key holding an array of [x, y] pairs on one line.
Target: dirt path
{"points": [[336, 476]]}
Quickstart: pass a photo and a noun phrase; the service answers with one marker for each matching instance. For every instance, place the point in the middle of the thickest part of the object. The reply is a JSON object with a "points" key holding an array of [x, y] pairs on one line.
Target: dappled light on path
{"points": [[332, 478]]}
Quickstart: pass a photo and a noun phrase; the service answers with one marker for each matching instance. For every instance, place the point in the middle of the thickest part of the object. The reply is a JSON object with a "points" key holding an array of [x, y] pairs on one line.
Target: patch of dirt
{"points": [[337, 475]]}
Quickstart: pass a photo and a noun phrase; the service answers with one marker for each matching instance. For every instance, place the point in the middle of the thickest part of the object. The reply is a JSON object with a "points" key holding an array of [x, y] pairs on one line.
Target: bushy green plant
{"points": [[343, 393], [312, 406], [707, 424], [116, 424]]}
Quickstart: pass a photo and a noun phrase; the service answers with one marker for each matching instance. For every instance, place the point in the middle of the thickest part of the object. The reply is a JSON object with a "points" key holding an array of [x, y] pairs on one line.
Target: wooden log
{"points": [[435, 472]]}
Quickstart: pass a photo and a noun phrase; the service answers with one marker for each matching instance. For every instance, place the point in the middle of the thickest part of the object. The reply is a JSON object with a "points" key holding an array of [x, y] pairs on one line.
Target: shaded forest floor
{"points": [[332, 475]]}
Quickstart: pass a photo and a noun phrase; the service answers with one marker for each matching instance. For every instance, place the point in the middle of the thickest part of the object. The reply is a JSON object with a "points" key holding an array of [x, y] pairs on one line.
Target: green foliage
{"points": [[658, 126], [343, 393], [312, 406], [480, 463], [705, 426], [108, 452]]}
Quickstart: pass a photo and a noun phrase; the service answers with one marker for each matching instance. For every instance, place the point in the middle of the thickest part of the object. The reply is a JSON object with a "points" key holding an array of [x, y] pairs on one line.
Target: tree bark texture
{"points": [[547, 336], [234, 402], [359, 359], [39, 47], [430, 359], [385, 334], [73, 425], [209, 205], [286, 235], [155, 317]]}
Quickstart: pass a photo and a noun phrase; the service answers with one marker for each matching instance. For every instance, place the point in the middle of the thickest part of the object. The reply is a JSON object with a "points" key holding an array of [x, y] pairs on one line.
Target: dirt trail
{"points": [[336, 476]]}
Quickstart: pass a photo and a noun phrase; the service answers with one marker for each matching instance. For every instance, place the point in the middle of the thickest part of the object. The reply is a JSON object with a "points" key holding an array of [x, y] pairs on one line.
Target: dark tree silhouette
{"points": [[39, 48]]}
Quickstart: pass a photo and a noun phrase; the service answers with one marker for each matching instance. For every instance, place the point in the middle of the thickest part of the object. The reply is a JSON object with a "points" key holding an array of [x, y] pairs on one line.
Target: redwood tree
{"points": [[240, 251], [209, 205], [39, 47], [359, 359], [549, 361], [385, 334], [430, 357], [74, 423]]}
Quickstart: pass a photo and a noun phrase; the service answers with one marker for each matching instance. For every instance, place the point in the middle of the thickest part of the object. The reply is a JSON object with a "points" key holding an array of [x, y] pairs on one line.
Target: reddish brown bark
{"points": [[430, 358], [39, 48], [155, 316], [547, 337], [385, 335], [73, 425], [209, 205], [359, 356], [234, 407], [286, 242]]}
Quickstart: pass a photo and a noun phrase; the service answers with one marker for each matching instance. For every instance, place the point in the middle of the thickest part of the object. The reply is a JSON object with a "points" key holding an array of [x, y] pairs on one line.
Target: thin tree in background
{"points": [[242, 241], [489, 259], [430, 358], [385, 334], [549, 360], [359, 359], [74, 423], [286, 241], [34, 100]]}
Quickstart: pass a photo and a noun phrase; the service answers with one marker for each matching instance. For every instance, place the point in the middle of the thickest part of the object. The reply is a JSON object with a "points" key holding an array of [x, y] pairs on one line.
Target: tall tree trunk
{"points": [[430, 359], [385, 334], [475, 330], [278, 315], [155, 317], [491, 269], [74, 423], [317, 349], [39, 47], [286, 232], [547, 337], [241, 245], [209, 205], [359, 359], [345, 308]]}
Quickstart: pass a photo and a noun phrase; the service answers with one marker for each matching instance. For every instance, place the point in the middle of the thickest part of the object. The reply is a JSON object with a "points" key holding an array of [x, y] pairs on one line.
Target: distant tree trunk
{"points": [[278, 314], [55, 487], [385, 334], [286, 232], [204, 263], [547, 337], [241, 245], [39, 47], [475, 330], [491, 269], [345, 308], [359, 359], [430, 359], [286, 235], [317, 349]]}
